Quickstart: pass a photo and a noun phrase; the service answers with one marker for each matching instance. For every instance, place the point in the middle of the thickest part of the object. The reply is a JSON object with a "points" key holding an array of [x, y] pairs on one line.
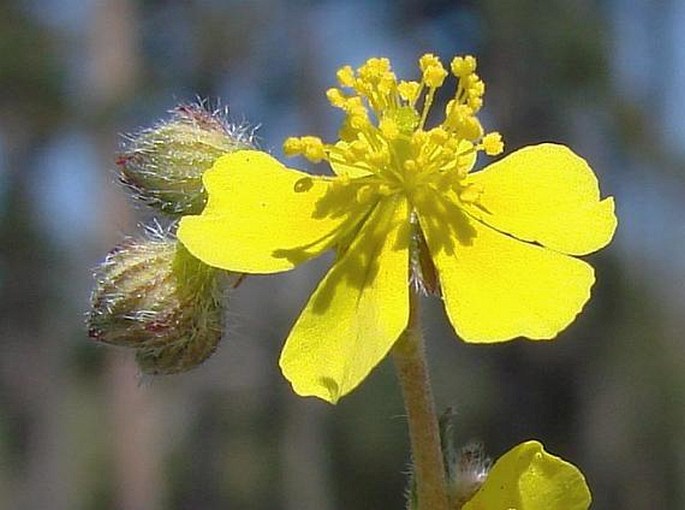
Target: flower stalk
{"points": [[412, 372]]}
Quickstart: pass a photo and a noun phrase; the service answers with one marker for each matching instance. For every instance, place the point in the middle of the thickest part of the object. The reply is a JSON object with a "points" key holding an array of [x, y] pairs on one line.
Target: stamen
{"points": [[292, 146], [336, 97], [428, 102], [492, 144], [313, 149], [383, 132], [345, 77], [463, 66], [409, 91], [434, 76]]}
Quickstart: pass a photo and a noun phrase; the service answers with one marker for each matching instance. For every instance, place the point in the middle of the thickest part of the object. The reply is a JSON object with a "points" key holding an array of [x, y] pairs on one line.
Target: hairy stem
{"points": [[412, 372]]}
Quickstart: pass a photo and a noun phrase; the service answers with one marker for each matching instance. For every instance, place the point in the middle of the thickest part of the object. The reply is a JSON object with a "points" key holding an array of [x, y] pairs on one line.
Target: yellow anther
{"points": [[354, 105], [387, 83], [373, 70], [345, 76], [492, 144], [313, 149], [428, 60], [456, 115], [380, 66], [409, 90], [463, 66], [475, 86], [389, 128], [434, 76], [336, 97], [475, 103], [292, 146]]}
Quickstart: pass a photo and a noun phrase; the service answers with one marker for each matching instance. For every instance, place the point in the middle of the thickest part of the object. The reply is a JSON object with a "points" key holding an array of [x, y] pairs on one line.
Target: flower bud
{"points": [[162, 166], [152, 295], [466, 468]]}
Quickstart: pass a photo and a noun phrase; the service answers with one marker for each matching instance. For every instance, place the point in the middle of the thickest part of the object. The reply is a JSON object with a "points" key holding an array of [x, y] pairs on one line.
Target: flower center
{"points": [[383, 138]]}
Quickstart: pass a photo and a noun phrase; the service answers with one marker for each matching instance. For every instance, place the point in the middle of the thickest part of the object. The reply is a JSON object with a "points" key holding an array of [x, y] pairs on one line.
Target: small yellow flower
{"points": [[403, 207], [529, 478]]}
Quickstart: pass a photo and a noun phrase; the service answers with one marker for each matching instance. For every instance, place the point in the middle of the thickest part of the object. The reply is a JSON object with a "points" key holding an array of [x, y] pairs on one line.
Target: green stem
{"points": [[412, 372]]}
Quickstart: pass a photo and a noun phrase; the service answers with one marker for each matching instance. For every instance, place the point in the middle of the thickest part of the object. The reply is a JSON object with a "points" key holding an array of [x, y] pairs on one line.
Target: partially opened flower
{"points": [[404, 207], [529, 478]]}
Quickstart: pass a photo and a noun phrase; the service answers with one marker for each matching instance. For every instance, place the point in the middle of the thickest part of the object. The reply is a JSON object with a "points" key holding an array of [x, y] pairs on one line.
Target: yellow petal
{"points": [[262, 217], [496, 287], [357, 312], [548, 194], [529, 478]]}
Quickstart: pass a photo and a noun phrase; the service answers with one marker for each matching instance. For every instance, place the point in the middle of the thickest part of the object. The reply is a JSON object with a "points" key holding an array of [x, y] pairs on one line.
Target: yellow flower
{"points": [[529, 478], [404, 207]]}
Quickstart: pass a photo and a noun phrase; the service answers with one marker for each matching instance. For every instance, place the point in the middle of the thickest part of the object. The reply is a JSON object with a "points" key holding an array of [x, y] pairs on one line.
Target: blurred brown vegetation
{"points": [[79, 430]]}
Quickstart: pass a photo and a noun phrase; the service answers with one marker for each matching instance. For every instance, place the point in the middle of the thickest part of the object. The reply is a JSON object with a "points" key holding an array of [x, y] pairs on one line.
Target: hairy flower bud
{"points": [[152, 295], [163, 165], [466, 468]]}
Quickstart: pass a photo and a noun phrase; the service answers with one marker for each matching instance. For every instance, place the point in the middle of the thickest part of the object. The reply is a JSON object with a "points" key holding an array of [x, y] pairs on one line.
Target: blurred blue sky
{"points": [[647, 56], [271, 62]]}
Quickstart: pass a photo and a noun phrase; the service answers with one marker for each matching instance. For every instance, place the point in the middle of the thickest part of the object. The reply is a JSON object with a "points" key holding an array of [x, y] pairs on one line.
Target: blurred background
{"points": [[80, 430]]}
